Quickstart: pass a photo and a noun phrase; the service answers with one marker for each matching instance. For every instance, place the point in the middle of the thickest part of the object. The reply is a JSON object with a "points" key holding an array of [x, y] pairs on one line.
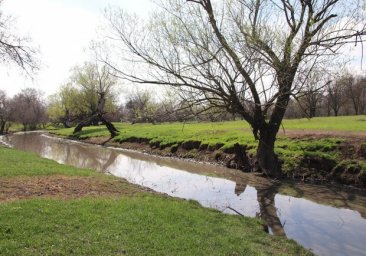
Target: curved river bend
{"points": [[301, 212]]}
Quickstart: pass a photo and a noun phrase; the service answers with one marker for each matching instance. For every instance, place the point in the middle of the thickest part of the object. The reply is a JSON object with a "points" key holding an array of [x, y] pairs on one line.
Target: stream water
{"points": [[329, 221]]}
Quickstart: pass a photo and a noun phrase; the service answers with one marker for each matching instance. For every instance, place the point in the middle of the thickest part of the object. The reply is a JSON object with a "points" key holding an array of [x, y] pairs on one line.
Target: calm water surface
{"points": [[329, 221]]}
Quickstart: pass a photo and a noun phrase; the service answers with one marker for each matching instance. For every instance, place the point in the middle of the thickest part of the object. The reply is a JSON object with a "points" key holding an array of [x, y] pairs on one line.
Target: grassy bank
{"points": [[315, 149], [50, 209]]}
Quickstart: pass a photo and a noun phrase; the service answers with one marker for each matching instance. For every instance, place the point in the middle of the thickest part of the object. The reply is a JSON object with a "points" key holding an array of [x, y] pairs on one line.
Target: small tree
{"points": [[141, 107], [311, 92], [4, 112], [336, 94], [96, 85], [356, 93], [66, 106], [28, 108]]}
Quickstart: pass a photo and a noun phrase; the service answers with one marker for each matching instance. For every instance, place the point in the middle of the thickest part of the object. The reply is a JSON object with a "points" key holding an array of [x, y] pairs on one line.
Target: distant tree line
{"points": [[142, 106], [27, 108], [74, 102], [344, 95]]}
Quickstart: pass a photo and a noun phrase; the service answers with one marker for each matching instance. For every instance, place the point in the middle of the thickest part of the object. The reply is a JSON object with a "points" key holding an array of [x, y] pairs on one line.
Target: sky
{"points": [[62, 30]]}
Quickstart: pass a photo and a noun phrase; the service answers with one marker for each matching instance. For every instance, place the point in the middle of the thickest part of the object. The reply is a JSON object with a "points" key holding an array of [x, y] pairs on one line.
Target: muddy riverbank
{"points": [[309, 168]]}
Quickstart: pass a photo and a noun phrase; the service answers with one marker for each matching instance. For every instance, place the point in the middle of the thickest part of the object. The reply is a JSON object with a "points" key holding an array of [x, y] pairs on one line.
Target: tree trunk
{"points": [[312, 112], [96, 118], [80, 126], [112, 130], [2, 127], [266, 157], [65, 123], [240, 160]]}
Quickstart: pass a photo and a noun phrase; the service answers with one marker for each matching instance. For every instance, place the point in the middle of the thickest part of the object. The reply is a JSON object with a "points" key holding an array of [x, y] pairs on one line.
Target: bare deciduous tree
{"points": [[311, 93], [242, 56], [28, 108], [141, 107], [356, 93], [336, 94]]}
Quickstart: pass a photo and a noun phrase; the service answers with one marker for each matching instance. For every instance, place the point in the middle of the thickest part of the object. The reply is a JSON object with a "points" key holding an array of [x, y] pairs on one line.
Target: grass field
{"points": [[218, 132], [140, 223]]}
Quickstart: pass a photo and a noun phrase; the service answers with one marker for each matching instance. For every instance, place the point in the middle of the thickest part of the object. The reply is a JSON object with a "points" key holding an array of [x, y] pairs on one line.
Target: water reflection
{"points": [[313, 223]]}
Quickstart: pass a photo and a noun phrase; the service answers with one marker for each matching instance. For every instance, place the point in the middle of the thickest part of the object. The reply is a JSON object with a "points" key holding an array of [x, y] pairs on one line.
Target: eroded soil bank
{"points": [[342, 162]]}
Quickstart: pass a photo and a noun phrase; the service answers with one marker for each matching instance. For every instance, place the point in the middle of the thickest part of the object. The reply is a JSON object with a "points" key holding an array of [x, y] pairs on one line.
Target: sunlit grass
{"points": [[18, 163], [344, 123]]}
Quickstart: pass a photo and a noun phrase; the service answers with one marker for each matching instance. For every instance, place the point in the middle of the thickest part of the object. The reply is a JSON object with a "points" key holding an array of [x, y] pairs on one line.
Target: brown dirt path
{"points": [[64, 187]]}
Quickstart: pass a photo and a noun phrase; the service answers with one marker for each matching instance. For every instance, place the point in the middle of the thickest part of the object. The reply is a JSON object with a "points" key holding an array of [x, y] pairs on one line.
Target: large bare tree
{"points": [[245, 56]]}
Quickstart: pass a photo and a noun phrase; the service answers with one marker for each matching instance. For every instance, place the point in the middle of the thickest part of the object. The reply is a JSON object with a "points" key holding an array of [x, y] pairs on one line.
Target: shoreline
{"points": [[215, 158]]}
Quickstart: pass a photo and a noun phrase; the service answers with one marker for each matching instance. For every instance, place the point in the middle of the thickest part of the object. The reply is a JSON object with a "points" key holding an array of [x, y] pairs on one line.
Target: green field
{"points": [[218, 132], [141, 223]]}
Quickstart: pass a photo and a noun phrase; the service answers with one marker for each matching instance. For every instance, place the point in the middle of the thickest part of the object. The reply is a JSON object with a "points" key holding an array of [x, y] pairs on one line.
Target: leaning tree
{"points": [[245, 56], [96, 84]]}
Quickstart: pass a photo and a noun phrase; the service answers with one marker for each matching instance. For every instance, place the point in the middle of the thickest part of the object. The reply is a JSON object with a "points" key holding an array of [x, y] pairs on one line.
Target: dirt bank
{"points": [[347, 169], [64, 187]]}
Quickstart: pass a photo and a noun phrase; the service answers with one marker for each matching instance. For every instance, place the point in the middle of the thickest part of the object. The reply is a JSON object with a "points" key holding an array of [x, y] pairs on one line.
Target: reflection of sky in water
{"points": [[327, 230], [209, 191]]}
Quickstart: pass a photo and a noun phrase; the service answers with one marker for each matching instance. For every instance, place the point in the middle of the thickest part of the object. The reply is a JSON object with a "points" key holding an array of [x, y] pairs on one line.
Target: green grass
{"points": [[219, 131], [142, 224], [15, 127], [227, 133], [172, 133], [343, 123], [133, 226], [18, 163]]}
